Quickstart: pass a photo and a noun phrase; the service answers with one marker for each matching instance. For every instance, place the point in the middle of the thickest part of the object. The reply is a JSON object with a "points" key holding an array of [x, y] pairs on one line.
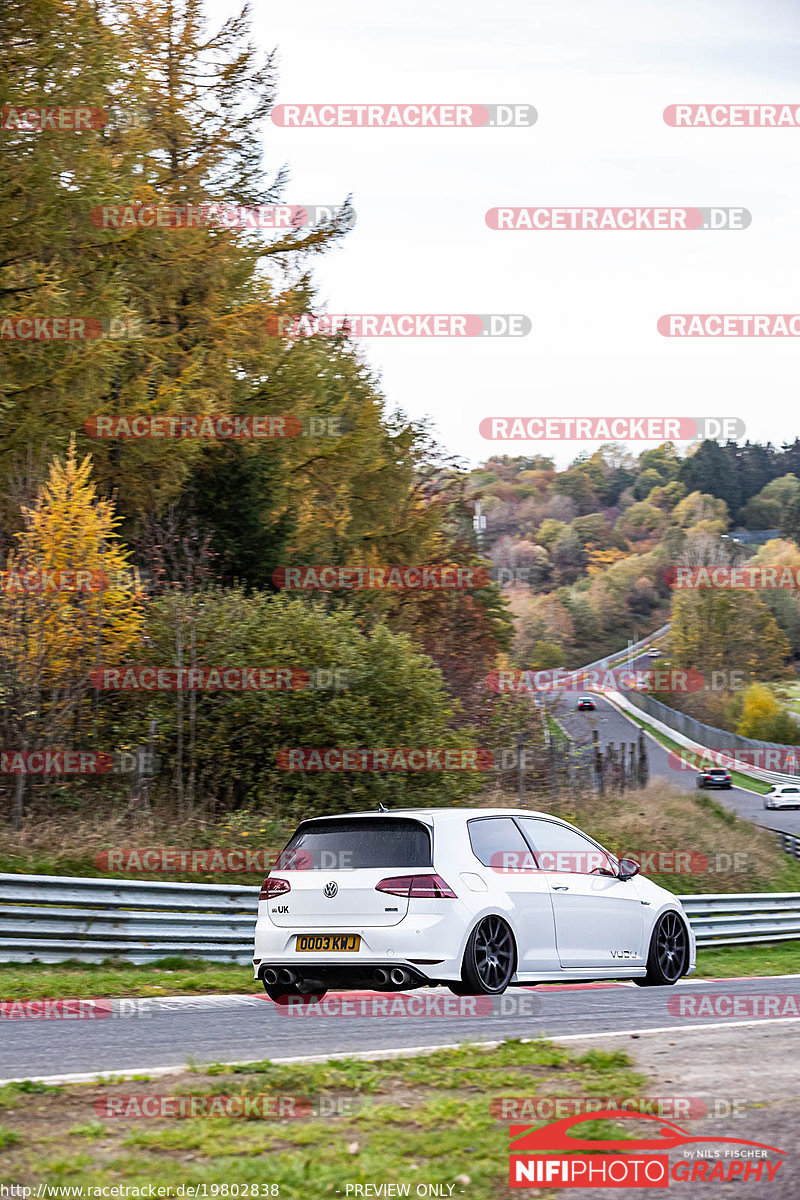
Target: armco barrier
{"points": [[620, 656], [631, 702], [709, 735], [791, 844], [46, 918], [753, 917]]}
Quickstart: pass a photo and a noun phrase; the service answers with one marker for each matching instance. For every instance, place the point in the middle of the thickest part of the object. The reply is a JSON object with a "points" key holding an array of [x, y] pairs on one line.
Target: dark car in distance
{"points": [[714, 777], [585, 703]]}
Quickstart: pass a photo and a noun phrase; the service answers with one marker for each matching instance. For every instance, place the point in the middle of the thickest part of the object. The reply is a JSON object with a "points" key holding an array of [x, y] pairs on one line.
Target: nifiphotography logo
{"points": [[550, 1156]]}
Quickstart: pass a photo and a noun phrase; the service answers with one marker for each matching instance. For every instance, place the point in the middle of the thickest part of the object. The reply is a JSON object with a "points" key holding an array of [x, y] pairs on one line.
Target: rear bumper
{"points": [[348, 976], [426, 946]]}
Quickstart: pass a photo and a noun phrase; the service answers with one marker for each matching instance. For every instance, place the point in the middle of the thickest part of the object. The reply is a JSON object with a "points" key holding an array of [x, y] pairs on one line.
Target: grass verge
{"points": [[114, 978], [35, 981], [726, 962], [417, 1120]]}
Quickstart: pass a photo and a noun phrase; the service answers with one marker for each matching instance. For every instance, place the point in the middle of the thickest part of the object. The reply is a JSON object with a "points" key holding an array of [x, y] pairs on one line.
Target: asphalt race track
{"points": [[612, 726], [171, 1032]]}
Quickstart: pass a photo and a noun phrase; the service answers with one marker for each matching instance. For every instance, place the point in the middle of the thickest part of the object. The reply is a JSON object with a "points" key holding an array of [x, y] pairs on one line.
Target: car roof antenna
{"points": [[382, 807]]}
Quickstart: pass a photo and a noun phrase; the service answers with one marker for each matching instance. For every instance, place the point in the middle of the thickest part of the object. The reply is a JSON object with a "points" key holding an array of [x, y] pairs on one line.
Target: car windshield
{"points": [[361, 842]]}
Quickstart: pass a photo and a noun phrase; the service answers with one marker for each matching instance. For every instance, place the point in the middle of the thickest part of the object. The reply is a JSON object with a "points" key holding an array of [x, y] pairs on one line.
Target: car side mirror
{"points": [[628, 867]]}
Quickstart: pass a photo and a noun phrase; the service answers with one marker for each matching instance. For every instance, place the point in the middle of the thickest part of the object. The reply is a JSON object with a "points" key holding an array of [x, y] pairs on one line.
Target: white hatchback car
{"points": [[477, 899], [783, 795]]}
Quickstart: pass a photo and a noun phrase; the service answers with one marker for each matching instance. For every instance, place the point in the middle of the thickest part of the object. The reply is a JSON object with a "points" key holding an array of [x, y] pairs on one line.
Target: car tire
{"points": [[287, 993], [668, 957], [490, 959]]}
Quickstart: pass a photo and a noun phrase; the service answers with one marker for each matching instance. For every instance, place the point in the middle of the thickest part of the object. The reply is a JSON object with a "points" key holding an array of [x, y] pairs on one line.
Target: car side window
{"points": [[497, 842], [561, 849]]}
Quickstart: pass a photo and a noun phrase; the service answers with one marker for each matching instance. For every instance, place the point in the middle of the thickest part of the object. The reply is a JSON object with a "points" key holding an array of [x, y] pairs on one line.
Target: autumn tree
{"points": [[716, 629], [69, 602], [187, 103], [764, 718], [53, 262]]}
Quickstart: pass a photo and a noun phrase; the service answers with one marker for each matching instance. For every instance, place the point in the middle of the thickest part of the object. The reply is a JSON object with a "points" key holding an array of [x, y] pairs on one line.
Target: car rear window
{"points": [[344, 845]]}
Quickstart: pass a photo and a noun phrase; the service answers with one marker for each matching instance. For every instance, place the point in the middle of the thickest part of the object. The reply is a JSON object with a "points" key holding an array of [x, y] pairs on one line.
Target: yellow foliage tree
{"points": [[759, 711], [58, 631], [599, 559]]}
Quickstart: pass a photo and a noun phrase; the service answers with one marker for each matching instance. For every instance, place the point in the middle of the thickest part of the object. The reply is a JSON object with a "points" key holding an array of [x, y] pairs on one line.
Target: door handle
{"points": [[562, 888]]}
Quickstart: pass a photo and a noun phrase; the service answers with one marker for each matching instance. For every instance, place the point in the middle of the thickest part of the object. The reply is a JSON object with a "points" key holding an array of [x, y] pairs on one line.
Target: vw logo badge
{"points": [[330, 889]]}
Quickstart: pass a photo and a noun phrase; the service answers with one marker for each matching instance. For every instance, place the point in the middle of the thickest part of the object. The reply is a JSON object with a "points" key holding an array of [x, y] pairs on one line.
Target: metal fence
{"points": [[50, 919], [716, 739]]}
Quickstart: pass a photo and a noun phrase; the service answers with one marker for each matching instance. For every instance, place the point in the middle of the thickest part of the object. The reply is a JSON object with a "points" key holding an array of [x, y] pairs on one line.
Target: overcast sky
{"points": [[599, 76]]}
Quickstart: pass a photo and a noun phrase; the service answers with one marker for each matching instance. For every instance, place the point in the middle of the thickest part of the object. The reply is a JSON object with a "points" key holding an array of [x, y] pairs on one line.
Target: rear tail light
{"points": [[419, 887], [273, 887]]}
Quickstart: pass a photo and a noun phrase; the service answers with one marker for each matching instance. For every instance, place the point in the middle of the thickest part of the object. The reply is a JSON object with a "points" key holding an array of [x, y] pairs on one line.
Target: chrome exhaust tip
{"points": [[287, 976], [398, 977], [381, 977], [269, 976]]}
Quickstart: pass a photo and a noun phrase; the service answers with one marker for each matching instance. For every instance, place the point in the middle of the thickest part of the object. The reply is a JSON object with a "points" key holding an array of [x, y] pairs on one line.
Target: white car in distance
{"points": [[784, 795], [476, 899]]}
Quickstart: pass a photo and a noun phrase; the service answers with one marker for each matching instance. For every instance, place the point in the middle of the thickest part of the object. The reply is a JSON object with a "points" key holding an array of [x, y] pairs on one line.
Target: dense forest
{"points": [[191, 533]]}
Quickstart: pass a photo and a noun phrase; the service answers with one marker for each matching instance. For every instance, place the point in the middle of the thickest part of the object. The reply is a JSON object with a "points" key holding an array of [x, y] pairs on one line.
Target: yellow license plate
{"points": [[329, 943]]}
